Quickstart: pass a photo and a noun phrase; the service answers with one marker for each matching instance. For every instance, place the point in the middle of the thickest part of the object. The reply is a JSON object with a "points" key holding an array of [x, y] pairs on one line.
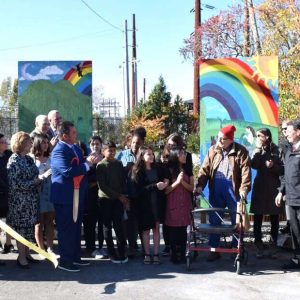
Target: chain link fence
{"points": [[8, 121]]}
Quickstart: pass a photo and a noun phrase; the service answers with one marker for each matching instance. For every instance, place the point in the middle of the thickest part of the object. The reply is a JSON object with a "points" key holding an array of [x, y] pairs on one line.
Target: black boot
{"points": [[286, 228]]}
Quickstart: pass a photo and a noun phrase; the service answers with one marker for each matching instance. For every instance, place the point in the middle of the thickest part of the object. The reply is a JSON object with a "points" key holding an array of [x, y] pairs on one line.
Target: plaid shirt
{"points": [[224, 169]]}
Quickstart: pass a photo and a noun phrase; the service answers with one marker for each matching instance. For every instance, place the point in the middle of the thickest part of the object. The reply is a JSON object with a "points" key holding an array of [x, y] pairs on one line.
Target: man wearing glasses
{"points": [[227, 170]]}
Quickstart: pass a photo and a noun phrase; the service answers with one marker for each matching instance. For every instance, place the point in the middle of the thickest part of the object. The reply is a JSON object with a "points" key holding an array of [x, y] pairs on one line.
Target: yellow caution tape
{"points": [[19, 238]]}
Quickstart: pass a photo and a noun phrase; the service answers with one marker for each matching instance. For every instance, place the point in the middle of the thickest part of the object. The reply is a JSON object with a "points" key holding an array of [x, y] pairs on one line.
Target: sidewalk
{"points": [[261, 278]]}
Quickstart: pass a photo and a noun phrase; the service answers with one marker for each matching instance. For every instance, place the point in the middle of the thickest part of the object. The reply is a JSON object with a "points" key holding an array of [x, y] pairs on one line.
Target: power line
{"points": [[104, 20], [54, 42]]}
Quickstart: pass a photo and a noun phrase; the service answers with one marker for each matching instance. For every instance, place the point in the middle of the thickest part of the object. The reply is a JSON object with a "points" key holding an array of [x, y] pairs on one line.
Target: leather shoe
{"points": [[25, 266], [81, 263], [32, 260], [291, 265]]}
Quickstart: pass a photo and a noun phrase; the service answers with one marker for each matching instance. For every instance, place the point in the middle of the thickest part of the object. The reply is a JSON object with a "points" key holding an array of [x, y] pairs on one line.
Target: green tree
{"points": [[178, 119], [6, 89], [13, 98], [9, 93], [158, 100]]}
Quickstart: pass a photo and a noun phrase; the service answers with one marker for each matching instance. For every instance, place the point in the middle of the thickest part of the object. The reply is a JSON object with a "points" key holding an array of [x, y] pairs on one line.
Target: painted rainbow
{"points": [[247, 87], [80, 76]]}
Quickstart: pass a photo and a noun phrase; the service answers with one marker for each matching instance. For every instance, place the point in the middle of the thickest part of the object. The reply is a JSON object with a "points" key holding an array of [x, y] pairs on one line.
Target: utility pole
{"points": [[127, 69], [246, 47], [197, 55], [144, 89], [134, 66]]}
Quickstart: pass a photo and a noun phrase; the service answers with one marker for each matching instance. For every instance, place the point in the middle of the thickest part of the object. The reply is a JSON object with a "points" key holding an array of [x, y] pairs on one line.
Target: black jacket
{"points": [[290, 184], [4, 183]]}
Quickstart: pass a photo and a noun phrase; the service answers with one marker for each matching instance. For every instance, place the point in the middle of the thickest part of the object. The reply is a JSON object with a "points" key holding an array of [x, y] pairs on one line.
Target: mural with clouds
{"points": [[62, 85]]}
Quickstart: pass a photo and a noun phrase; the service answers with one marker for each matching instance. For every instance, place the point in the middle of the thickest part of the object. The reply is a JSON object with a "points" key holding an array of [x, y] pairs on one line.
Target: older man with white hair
{"points": [[55, 120], [41, 126], [226, 169]]}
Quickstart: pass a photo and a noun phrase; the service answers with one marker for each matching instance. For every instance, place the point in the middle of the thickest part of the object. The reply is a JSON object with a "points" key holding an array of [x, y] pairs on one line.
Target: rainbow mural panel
{"points": [[62, 85], [239, 91]]}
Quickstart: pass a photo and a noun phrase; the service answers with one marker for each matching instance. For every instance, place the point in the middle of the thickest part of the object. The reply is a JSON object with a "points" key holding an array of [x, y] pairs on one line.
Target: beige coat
{"points": [[238, 159]]}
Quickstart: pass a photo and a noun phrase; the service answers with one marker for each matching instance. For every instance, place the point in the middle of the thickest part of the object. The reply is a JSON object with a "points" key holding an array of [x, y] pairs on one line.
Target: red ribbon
{"points": [[76, 179]]}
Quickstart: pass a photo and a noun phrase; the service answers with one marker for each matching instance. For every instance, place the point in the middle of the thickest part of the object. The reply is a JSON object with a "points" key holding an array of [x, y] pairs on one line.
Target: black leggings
{"points": [[178, 238], [258, 223]]}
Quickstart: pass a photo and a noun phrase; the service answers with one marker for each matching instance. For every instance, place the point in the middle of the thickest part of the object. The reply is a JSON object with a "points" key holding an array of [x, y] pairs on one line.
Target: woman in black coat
{"points": [[266, 160], [4, 156], [150, 182]]}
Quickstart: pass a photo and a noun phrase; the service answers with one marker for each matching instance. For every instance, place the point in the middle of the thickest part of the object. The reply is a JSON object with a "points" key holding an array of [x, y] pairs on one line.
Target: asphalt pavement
{"points": [[260, 279]]}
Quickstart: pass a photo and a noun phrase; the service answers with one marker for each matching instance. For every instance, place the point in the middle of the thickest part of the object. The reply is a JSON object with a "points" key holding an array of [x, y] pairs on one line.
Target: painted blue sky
{"points": [[53, 71]]}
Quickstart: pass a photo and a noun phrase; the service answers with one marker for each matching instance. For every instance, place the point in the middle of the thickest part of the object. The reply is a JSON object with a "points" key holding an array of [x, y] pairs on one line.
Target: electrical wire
{"points": [[54, 42], [103, 19]]}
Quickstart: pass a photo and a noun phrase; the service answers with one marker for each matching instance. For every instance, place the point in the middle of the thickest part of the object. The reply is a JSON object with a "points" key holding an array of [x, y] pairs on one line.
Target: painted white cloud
{"points": [[44, 73]]}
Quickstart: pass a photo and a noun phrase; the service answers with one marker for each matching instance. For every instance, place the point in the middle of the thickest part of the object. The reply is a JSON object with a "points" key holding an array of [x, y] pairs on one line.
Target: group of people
{"points": [[227, 169], [50, 175]]}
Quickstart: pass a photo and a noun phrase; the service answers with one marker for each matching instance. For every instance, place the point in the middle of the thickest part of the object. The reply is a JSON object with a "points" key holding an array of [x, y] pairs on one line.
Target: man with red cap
{"points": [[227, 170]]}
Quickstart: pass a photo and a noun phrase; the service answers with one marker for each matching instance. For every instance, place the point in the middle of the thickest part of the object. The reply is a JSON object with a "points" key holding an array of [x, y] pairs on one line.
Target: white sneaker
{"points": [[94, 253], [99, 254], [50, 251]]}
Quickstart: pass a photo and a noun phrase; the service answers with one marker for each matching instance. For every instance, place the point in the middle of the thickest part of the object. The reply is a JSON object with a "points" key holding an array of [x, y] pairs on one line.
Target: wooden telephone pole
{"points": [[133, 66], [197, 55], [127, 69]]}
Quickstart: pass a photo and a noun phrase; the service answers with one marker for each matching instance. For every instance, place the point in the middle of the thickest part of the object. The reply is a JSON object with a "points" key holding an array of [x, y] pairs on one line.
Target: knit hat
{"points": [[228, 131]]}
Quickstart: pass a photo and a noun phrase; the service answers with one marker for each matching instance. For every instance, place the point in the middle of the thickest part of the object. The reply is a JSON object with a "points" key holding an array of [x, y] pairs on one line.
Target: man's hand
{"points": [[54, 141], [278, 199]]}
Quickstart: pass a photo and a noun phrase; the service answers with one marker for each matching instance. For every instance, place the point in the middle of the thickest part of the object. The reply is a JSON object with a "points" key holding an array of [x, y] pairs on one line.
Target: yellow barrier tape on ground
{"points": [[26, 243]]}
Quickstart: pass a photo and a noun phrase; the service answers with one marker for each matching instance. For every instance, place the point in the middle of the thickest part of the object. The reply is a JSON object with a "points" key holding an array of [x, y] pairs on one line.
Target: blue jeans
{"points": [[222, 196]]}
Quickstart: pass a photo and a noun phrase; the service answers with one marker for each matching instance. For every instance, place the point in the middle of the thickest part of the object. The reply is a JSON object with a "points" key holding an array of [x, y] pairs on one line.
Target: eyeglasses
{"points": [[284, 128], [3, 142], [223, 139]]}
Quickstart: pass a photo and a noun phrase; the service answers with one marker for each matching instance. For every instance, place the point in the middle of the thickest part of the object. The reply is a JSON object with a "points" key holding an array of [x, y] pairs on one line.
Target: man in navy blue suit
{"points": [[68, 166]]}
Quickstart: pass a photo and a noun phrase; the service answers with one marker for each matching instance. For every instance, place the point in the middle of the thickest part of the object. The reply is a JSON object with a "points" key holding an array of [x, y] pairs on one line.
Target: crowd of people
{"points": [[49, 179]]}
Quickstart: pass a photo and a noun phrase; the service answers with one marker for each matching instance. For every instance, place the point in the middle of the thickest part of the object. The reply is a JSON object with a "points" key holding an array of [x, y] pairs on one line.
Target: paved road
{"points": [[103, 280]]}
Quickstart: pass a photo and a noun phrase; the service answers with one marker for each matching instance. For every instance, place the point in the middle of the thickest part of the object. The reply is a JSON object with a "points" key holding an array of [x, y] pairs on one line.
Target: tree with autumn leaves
{"points": [[159, 115], [271, 27]]}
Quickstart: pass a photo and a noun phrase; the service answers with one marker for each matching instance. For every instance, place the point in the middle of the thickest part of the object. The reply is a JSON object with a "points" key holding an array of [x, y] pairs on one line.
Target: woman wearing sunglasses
{"points": [[266, 160]]}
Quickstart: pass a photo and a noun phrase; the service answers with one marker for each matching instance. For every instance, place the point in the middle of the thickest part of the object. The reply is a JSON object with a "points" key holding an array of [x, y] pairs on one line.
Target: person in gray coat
{"points": [[266, 160]]}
